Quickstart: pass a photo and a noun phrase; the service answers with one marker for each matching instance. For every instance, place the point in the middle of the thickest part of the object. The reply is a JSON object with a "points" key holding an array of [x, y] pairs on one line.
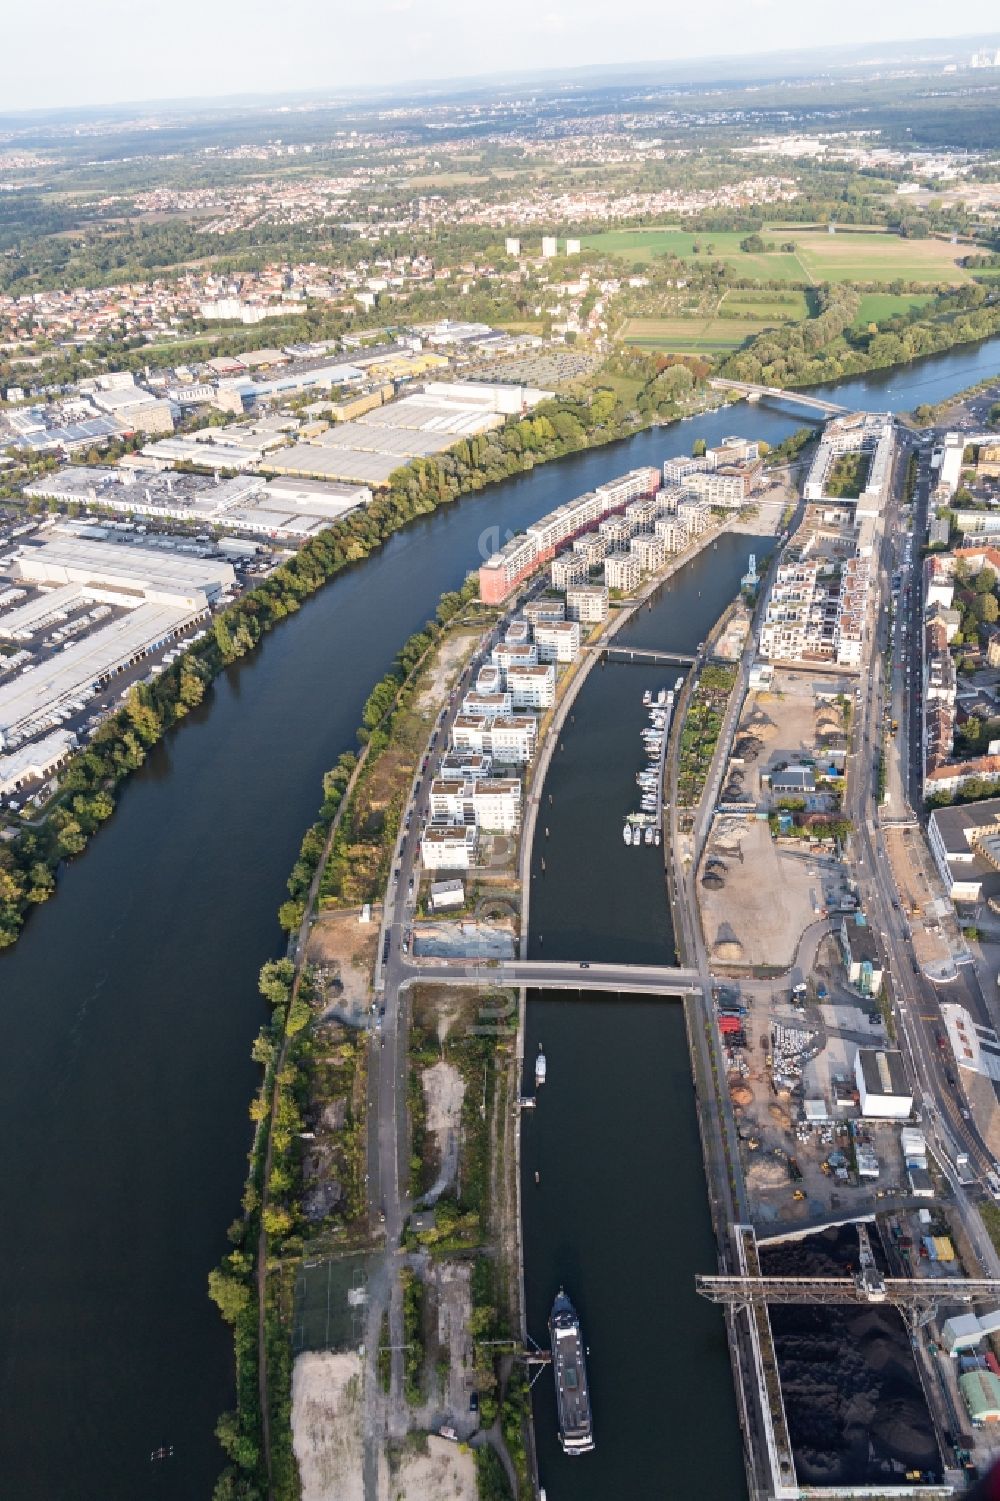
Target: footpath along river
{"points": [[130, 1004]]}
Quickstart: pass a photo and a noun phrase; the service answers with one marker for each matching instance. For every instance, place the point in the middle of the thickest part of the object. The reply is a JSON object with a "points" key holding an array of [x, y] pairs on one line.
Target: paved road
{"points": [[641, 979], [916, 999]]}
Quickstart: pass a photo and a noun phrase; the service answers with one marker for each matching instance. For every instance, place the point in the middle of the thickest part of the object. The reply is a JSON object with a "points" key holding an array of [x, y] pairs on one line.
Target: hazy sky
{"points": [[68, 53]]}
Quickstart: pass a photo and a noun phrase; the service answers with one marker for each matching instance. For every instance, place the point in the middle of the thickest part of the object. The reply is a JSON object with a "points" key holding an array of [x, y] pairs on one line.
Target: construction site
{"points": [[772, 864]]}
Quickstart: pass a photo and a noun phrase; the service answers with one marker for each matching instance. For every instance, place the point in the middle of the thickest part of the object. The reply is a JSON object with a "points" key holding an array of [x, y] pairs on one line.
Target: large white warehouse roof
{"points": [[163, 576], [30, 704]]}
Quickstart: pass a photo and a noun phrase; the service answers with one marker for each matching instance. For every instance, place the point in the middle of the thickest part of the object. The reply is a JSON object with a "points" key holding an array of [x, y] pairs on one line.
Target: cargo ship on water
{"points": [[576, 1432]]}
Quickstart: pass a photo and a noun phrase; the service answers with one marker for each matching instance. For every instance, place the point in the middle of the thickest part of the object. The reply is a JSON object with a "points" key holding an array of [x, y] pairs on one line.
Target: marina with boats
{"points": [[646, 825]]}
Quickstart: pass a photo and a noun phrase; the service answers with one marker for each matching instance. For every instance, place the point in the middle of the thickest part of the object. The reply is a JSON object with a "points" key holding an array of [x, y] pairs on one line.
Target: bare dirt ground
{"points": [[786, 724], [454, 1309], [766, 901], [343, 949], [771, 503], [326, 1425], [446, 1472], [444, 670], [444, 1091]]}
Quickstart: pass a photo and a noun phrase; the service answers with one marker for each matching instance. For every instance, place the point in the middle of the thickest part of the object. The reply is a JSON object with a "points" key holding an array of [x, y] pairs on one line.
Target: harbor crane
{"points": [[916, 1298]]}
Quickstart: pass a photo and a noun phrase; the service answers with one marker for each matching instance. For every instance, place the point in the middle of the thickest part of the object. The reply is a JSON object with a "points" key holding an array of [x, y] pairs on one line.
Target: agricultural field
{"points": [[847, 255], [767, 307], [694, 335]]}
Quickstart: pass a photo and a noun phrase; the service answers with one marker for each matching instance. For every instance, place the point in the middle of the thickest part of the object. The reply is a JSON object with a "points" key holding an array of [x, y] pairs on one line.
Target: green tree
{"points": [[987, 609], [229, 1294], [275, 980]]}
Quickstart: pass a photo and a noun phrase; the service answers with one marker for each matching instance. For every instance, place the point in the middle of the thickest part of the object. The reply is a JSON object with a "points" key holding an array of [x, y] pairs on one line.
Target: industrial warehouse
{"points": [[292, 509], [84, 612], [374, 445]]}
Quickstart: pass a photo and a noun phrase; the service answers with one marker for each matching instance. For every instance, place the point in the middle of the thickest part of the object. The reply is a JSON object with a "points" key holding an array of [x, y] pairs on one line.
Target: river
{"points": [[130, 1005]]}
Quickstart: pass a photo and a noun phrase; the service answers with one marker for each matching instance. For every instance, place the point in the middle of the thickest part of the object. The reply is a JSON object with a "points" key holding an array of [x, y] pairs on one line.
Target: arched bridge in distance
{"points": [[775, 393]]}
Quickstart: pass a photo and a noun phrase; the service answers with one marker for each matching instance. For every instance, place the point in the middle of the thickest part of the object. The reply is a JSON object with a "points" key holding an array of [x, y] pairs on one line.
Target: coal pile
{"points": [[855, 1408]]}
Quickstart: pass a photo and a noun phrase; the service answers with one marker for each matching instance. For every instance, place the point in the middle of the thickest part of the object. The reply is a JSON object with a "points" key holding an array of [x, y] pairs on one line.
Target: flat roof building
{"points": [[861, 955], [587, 603], [120, 573], [965, 843], [448, 848], [884, 1090], [32, 763], [532, 687], [557, 641], [622, 571], [444, 894], [32, 703]]}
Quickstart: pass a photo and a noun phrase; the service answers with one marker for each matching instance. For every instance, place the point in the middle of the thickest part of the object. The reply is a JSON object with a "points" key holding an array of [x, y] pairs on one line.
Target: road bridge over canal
{"points": [[543, 974]]}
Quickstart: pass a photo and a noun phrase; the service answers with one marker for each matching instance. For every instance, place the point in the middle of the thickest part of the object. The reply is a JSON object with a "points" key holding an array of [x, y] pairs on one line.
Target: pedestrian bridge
{"points": [[775, 393], [556, 974], [646, 654]]}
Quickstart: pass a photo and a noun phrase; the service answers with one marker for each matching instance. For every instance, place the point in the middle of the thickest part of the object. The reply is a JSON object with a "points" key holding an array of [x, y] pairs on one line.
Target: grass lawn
{"points": [[691, 335], [773, 309], [848, 255], [877, 306], [625, 388]]}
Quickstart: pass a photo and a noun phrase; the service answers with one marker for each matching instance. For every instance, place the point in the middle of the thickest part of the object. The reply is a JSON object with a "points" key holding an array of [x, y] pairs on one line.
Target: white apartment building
{"points": [[558, 641], [532, 687], [622, 571], [513, 739], [592, 548], [817, 608], [544, 611], [733, 450], [569, 568], [449, 848], [720, 487], [616, 531], [696, 515], [487, 703], [587, 603], [642, 513], [947, 460], [672, 532], [523, 654], [863, 432], [491, 805], [464, 766], [508, 740], [648, 551], [489, 679], [676, 471]]}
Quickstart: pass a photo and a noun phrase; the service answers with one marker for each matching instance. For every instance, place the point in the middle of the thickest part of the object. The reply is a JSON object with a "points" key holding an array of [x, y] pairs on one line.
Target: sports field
{"points": [[847, 255]]}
